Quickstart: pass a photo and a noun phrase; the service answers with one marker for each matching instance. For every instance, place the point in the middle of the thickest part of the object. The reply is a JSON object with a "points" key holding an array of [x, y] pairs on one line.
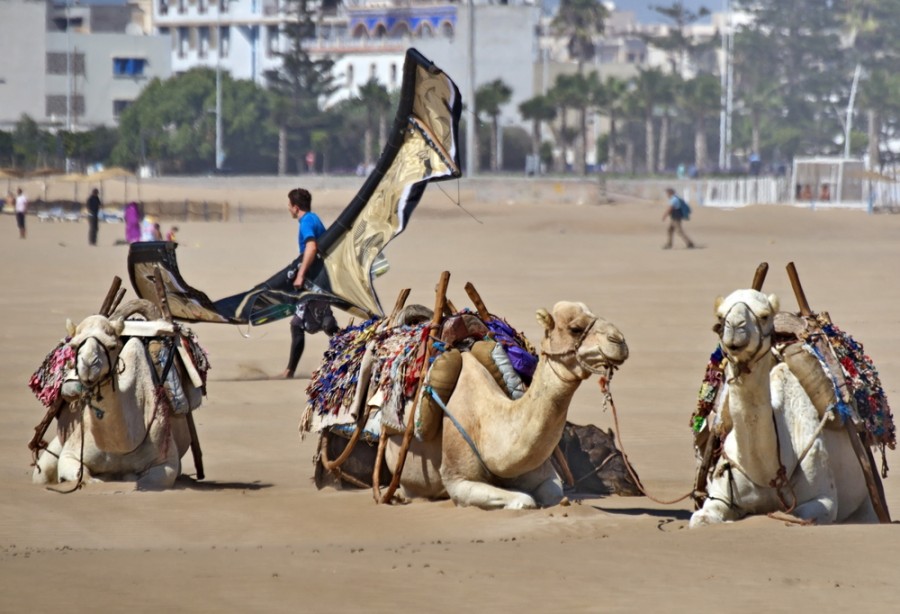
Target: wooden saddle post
{"points": [[863, 452], [440, 302], [196, 452]]}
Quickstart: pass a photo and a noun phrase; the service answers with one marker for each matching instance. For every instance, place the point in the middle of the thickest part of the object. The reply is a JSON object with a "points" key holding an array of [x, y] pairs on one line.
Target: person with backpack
{"points": [[677, 211]]}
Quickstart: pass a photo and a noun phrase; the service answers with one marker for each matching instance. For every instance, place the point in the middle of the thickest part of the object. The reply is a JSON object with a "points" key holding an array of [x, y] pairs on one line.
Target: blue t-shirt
{"points": [[311, 227]]}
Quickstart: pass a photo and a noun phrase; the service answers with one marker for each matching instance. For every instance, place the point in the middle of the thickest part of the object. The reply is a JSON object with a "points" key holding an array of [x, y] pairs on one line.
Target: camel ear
{"points": [[118, 325], [70, 327], [774, 302], [545, 319], [718, 303]]}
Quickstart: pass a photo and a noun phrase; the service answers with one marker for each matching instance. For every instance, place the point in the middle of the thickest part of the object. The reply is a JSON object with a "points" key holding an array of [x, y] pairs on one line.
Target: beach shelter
{"points": [[75, 179], [9, 174], [115, 172], [43, 174]]}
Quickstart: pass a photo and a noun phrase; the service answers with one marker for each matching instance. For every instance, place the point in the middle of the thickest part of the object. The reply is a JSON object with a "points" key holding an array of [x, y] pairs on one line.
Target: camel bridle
{"points": [[761, 350], [609, 364]]}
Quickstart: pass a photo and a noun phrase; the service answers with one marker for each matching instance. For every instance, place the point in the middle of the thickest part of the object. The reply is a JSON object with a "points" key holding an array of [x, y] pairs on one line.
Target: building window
{"points": [[393, 74], [204, 41], [163, 7], [373, 71], [349, 75], [224, 41], [271, 40], [129, 67], [223, 6], [119, 107], [56, 105], [182, 42], [56, 64]]}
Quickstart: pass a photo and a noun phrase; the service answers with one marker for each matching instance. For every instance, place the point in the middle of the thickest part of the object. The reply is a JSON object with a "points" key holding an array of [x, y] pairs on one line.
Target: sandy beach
{"points": [[256, 534]]}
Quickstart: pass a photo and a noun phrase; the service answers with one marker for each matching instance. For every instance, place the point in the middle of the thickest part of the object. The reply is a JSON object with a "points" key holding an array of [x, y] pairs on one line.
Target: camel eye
{"points": [[576, 330], [717, 327]]}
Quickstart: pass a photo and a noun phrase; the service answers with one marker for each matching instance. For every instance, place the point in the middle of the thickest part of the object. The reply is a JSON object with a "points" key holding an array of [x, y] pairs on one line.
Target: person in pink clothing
{"points": [[132, 222]]}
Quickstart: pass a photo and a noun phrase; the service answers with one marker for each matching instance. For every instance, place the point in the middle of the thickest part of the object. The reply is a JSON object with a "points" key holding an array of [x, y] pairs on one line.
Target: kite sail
{"points": [[422, 147]]}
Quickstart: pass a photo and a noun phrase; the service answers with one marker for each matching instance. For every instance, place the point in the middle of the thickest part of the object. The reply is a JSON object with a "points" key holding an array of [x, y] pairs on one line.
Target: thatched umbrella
{"points": [[114, 172], [74, 178], [9, 174], [43, 173]]}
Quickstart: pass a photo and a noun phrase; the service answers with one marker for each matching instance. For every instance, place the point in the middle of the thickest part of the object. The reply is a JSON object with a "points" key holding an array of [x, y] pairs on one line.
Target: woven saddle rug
{"points": [[398, 361], [833, 369], [397, 365]]}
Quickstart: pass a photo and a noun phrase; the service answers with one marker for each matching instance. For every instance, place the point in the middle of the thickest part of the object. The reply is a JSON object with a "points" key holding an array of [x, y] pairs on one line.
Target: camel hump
{"points": [[441, 379]]}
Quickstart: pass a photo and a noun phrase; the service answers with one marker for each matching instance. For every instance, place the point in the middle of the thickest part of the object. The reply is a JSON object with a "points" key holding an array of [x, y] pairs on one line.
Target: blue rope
{"points": [[844, 410], [462, 431]]}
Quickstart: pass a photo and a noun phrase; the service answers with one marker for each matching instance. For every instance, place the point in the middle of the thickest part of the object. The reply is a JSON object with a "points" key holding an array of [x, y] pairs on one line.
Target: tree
{"points": [[537, 110], [700, 98], [610, 97], [580, 21], [650, 86], [376, 100], [489, 98], [300, 85], [677, 43]]}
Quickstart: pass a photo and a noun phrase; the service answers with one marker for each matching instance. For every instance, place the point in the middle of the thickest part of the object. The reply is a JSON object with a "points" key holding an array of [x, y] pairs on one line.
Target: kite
{"points": [[422, 147]]}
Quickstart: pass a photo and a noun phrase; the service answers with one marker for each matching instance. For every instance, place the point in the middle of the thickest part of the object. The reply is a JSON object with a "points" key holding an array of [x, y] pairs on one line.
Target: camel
{"points": [[113, 426], [763, 468], [508, 462]]}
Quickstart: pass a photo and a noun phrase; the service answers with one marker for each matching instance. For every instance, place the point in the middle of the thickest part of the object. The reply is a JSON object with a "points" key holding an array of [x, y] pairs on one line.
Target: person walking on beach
{"points": [[21, 210], [677, 211], [93, 207], [311, 316]]}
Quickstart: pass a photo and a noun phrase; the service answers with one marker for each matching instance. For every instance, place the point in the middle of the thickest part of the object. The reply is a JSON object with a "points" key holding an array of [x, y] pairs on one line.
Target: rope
{"points": [[608, 402]]}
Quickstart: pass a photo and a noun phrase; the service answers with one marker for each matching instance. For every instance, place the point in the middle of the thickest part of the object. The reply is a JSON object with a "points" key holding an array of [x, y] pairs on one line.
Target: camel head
{"points": [[96, 345], [746, 321], [582, 342]]}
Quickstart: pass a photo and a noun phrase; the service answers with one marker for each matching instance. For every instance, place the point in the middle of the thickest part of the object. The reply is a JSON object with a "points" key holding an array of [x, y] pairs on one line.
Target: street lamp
{"points": [[220, 151]]}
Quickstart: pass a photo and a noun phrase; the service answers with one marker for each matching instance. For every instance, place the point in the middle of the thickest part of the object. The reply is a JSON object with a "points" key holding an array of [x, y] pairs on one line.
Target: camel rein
{"points": [[608, 402]]}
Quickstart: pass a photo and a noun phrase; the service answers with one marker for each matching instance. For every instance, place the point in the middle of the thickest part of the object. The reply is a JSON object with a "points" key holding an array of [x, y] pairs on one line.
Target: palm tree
{"points": [[649, 88], [609, 97], [666, 100], [580, 21], [375, 99], [488, 100], [538, 110], [701, 98]]}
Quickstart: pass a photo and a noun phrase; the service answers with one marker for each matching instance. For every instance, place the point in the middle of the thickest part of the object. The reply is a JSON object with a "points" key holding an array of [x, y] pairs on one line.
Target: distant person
{"points": [[148, 228], [172, 234], [93, 207], [132, 216], [677, 211], [806, 193], [755, 164], [825, 192], [10, 202], [21, 210], [311, 316], [157, 232]]}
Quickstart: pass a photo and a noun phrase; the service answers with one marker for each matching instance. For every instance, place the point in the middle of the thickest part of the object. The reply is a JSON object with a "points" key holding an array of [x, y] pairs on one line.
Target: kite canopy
{"points": [[422, 147]]}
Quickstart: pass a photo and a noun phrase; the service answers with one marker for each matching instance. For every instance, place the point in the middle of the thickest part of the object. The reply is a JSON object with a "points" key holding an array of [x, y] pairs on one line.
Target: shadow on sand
{"points": [[185, 482]]}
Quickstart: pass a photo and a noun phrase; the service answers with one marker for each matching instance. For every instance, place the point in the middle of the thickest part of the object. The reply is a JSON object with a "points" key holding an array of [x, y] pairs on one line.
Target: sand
{"points": [[256, 535]]}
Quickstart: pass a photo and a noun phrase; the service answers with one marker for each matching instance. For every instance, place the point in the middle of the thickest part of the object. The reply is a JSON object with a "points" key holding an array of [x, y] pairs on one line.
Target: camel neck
{"points": [[754, 439]]}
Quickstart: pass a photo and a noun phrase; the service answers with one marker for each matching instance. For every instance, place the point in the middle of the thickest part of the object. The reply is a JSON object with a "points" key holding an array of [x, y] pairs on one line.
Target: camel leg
{"points": [[716, 508], [544, 484], [487, 496], [70, 461], [163, 475], [45, 470]]}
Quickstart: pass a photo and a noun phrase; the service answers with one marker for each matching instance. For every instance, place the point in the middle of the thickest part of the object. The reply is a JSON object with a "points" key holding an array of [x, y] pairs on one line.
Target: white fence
{"points": [[736, 193]]}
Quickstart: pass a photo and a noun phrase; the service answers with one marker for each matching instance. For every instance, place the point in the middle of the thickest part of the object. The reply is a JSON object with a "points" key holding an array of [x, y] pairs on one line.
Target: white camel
{"points": [[773, 423], [113, 427], [507, 465]]}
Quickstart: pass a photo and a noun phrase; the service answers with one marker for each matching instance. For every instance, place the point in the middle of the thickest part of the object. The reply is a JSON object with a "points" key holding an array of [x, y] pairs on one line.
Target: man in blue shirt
{"points": [[313, 315], [675, 215]]}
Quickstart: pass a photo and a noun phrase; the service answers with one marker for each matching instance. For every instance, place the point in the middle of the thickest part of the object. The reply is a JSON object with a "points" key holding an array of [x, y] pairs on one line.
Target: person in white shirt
{"points": [[21, 210]]}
